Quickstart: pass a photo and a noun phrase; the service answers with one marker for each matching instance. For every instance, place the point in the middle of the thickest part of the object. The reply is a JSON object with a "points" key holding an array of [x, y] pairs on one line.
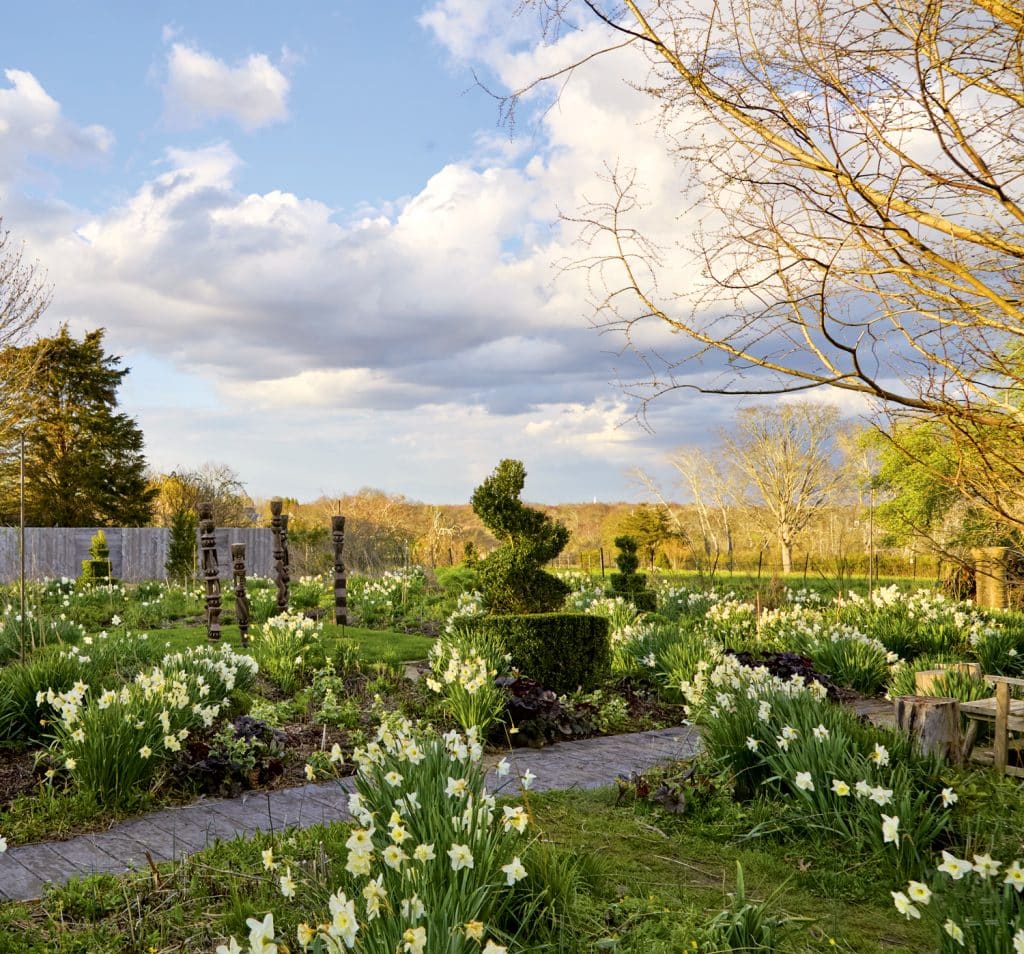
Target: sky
{"points": [[325, 259]]}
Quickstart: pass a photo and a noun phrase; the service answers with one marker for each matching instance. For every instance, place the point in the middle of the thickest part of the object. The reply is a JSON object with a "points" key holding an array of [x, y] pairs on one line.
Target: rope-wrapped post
{"points": [[241, 597], [211, 570], [340, 578], [280, 572]]}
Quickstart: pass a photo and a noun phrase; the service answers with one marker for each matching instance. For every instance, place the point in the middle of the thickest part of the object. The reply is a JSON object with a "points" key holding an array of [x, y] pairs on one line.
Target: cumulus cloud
{"points": [[200, 88], [430, 329], [33, 126]]}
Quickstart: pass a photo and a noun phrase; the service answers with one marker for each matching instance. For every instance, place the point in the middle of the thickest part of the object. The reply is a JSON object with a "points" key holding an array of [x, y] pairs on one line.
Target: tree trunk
{"points": [[787, 555], [933, 722]]}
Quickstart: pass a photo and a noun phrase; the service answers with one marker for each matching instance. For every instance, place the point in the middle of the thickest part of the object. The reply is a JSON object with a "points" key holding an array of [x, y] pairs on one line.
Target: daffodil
{"points": [[414, 940], [985, 866], [514, 871], [840, 788], [955, 867], [954, 931], [461, 857], [919, 892], [904, 906], [1015, 876], [423, 853], [890, 828]]}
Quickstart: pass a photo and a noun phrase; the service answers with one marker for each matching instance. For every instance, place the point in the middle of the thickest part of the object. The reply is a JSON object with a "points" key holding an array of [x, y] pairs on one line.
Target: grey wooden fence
{"points": [[136, 553]]}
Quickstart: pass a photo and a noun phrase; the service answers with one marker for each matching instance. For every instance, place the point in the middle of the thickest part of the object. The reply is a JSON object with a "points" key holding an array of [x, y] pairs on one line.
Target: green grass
{"points": [[659, 878]]}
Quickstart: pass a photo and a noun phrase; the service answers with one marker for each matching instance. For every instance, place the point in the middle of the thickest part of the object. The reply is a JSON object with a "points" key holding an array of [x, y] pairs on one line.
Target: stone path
{"points": [[176, 832]]}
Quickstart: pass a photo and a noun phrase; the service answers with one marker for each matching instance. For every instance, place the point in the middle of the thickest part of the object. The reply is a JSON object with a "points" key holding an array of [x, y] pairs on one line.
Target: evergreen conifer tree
{"points": [[84, 461]]}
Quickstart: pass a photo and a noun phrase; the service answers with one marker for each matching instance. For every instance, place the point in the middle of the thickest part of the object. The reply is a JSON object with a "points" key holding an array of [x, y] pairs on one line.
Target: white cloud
{"points": [[200, 87], [430, 330], [33, 126]]}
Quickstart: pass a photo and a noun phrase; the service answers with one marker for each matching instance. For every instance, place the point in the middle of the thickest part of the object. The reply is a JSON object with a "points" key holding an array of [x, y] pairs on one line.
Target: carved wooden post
{"points": [[340, 578], [280, 572], [287, 576], [211, 570], [241, 597]]}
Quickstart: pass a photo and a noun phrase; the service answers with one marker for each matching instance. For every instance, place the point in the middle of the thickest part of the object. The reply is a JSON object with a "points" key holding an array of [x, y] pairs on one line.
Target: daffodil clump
{"points": [[383, 600], [464, 665], [114, 743], [289, 649], [430, 861], [976, 905], [467, 606], [584, 591], [865, 785], [913, 623]]}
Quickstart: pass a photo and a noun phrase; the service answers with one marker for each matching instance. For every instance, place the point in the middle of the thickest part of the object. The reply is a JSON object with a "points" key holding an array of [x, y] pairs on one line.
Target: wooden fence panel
{"points": [[136, 553]]}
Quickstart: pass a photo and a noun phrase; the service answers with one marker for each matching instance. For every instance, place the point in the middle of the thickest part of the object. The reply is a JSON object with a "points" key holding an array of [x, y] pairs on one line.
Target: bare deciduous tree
{"points": [[711, 487], [184, 489], [24, 296], [785, 454], [864, 162]]}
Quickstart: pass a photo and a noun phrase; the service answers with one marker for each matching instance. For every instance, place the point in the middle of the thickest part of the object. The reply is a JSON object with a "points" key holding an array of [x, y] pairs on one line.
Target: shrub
{"points": [[511, 577], [96, 569], [181, 548], [627, 582], [562, 651]]}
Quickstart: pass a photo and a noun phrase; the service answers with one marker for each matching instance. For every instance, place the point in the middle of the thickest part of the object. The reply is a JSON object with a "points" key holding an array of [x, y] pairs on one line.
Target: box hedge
{"points": [[562, 651]]}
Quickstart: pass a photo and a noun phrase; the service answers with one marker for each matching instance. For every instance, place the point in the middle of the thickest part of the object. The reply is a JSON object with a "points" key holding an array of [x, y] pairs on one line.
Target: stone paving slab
{"points": [[176, 832]]}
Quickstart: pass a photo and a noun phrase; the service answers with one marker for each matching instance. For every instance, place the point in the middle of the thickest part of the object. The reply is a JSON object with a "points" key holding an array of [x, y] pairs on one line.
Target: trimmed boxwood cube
{"points": [[562, 651]]}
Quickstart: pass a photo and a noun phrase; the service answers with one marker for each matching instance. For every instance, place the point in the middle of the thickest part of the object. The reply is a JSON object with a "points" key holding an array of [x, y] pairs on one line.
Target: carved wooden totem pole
{"points": [[280, 566], [211, 570], [340, 578], [241, 597], [285, 560]]}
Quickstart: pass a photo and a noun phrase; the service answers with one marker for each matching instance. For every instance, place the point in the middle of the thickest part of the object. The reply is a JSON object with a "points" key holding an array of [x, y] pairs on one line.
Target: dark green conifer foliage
{"points": [[511, 578], [84, 462], [181, 549]]}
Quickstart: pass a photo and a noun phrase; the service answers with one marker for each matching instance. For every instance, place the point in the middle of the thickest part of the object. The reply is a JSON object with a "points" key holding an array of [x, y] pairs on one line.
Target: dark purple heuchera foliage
{"points": [[787, 665]]}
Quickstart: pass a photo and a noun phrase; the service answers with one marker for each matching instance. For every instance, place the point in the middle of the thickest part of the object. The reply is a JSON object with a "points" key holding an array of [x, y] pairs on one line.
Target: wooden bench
{"points": [[1006, 714]]}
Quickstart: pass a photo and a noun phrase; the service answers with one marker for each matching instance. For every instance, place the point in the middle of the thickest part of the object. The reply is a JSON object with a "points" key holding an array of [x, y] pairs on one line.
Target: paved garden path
{"points": [[176, 832]]}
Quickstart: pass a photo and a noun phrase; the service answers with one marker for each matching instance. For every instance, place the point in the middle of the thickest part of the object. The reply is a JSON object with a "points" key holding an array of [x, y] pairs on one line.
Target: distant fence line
{"points": [[136, 553]]}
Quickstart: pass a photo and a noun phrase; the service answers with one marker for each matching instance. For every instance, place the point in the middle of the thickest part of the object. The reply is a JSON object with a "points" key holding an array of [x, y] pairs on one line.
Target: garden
{"points": [[800, 826]]}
